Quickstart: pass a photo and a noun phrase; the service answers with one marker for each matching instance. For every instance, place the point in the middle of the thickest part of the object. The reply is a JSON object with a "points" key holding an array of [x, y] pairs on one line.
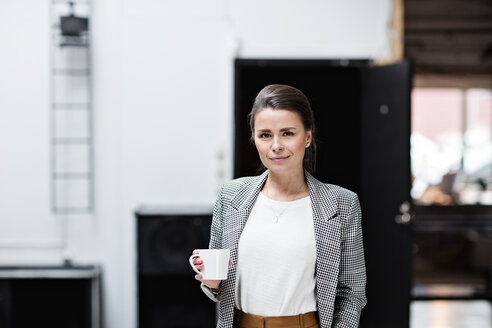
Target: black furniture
{"points": [[168, 294], [452, 256], [54, 296]]}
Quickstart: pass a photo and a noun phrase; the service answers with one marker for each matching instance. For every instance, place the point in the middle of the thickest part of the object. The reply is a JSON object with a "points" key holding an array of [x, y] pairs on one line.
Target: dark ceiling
{"points": [[451, 36]]}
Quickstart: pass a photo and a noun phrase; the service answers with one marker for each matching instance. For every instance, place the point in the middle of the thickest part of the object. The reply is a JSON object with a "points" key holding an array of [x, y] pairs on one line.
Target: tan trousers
{"points": [[305, 320]]}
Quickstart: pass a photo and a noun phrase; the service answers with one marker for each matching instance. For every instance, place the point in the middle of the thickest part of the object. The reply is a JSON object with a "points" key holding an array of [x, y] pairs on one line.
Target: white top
{"points": [[276, 260]]}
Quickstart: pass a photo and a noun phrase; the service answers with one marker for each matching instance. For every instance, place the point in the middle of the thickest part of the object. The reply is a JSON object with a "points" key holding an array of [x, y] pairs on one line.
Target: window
{"points": [[451, 142]]}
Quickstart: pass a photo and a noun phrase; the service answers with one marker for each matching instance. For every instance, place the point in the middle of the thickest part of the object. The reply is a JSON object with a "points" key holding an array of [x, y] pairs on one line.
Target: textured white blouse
{"points": [[276, 259]]}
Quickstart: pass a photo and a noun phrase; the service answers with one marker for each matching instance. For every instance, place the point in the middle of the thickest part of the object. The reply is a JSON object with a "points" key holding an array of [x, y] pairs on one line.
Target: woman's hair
{"points": [[280, 96]]}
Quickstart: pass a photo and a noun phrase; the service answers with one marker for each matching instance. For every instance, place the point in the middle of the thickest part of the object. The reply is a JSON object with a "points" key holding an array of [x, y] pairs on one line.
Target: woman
{"points": [[297, 258]]}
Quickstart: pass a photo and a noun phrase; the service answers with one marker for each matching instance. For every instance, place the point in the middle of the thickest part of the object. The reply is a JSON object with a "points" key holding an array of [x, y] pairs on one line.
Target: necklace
{"points": [[277, 216]]}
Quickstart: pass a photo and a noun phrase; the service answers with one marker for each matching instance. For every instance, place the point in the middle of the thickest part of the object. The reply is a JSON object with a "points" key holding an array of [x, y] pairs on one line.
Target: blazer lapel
{"points": [[327, 231], [242, 203], [246, 196], [322, 209]]}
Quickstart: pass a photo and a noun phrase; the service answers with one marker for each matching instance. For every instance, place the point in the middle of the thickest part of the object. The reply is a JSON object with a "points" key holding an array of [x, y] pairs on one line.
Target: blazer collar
{"points": [[322, 209], [246, 197]]}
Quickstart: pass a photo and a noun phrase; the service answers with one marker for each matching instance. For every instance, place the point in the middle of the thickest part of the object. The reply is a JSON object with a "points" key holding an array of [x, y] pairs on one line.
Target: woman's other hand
{"points": [[198, 263]]}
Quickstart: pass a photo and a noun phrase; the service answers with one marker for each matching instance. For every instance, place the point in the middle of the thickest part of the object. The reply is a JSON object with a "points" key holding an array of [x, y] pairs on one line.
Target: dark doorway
{"points": [[363, 119]]}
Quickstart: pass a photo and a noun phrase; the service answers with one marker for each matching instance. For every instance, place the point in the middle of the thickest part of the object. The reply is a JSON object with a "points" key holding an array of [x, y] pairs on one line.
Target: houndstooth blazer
{"points": [[340, 267]]}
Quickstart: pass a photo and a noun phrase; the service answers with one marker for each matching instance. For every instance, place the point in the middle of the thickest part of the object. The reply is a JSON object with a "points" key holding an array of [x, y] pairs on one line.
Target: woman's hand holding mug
{"points": [[211, 265]]}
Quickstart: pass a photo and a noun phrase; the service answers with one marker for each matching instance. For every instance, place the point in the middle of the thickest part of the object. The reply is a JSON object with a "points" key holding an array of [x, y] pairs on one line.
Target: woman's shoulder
{"points": [[338, 190], [243, 183], [344, 201], [332, 189]]}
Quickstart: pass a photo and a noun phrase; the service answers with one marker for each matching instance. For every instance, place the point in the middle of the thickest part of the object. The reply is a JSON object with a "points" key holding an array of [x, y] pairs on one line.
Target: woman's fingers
{"points": [[212, 283], [209, 283], [197, 261]]}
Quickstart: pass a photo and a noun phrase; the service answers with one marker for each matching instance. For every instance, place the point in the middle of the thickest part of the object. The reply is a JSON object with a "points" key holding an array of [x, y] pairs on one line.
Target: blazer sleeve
{"points": [[215, 238], [350, 295], [217, 219]]}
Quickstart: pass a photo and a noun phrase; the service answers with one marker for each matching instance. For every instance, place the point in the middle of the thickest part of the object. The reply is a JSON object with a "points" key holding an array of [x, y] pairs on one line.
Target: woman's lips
{"points": [[279, 158]]}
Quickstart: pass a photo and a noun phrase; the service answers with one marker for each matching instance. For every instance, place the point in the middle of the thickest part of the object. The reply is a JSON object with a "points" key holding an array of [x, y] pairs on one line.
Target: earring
{"points": [[307, 146]]}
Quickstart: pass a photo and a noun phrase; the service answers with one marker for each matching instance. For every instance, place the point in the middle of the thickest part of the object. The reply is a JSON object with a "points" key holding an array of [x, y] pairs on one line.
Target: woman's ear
{"points": [[309, 136]]}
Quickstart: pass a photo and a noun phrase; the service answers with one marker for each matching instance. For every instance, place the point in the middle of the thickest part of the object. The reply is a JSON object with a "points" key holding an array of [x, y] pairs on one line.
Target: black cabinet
{"points": [[452, 252], [168, 294], [65, 297]]}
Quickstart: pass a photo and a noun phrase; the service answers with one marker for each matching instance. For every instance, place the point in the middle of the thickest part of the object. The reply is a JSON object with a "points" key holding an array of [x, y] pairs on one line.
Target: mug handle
{"points": [[192, 257]]}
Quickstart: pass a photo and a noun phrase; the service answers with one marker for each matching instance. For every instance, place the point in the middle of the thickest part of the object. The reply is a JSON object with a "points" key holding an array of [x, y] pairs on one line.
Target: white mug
{"points": [[215, 263]]}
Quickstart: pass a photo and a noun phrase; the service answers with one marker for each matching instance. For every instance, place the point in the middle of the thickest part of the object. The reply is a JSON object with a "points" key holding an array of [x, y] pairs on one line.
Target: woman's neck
{"points": [[286, 187]]}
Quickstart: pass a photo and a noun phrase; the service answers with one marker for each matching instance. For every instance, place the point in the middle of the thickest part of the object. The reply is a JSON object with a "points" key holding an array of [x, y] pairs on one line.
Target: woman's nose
{"points": [[277, 146]]}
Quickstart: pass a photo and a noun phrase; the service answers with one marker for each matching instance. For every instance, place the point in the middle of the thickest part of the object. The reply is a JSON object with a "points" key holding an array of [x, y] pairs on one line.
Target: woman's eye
{"points": [[288, 133], [264, 135]]}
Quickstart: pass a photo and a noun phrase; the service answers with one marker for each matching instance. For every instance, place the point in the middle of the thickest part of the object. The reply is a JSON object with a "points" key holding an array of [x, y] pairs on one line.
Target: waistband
{"points": [[246, 320]]}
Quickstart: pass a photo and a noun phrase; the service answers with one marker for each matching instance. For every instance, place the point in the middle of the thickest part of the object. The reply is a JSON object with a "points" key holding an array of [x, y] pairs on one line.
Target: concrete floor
{"points": [[451, 314]]}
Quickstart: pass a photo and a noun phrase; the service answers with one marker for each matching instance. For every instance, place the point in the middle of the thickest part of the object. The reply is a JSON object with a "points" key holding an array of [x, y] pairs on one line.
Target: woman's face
{"points": [[280, 139]]}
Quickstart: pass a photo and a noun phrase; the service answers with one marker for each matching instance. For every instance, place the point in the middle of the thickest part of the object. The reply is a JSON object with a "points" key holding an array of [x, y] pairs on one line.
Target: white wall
{"points": [[163, 113], [24, 133]]}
